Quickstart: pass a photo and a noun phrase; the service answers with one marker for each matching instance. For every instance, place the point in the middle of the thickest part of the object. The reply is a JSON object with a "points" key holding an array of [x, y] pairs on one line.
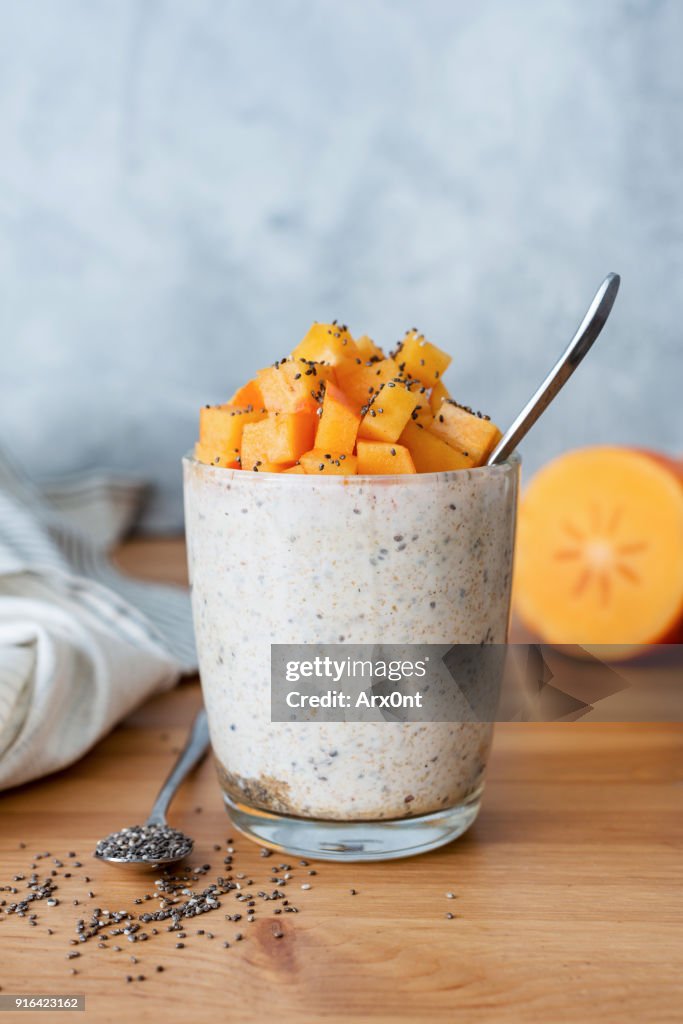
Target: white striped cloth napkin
{"points": [[81, 645]]}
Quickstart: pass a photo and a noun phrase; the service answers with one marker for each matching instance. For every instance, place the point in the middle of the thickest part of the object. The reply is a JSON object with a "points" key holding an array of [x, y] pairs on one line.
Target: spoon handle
{"points": [[587, 332], [193, 751]]}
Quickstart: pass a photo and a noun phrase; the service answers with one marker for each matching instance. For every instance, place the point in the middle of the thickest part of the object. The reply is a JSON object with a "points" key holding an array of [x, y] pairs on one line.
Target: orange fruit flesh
{"points": [[463, 430], [248, 395], [362, 380], [389, 412], [430, 453], [599, 557], [419, 359], [339, 397], [377, 458], [338, 426], [321, 462]]}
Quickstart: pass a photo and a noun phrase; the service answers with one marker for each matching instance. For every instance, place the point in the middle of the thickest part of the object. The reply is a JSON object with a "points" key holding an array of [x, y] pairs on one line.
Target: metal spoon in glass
{"points": [[155, 843], [588, 331]]}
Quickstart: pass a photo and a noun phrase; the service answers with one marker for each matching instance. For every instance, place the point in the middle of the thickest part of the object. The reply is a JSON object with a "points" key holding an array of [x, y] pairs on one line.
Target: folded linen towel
{"points": [[81, 645]]}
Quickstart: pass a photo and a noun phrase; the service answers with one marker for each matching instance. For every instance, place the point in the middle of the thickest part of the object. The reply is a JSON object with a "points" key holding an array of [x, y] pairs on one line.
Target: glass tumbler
{"points": [[295, 559]]}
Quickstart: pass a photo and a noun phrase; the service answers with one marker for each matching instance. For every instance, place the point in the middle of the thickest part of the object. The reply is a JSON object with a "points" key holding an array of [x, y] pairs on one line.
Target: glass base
{"points": [[354, 840]]}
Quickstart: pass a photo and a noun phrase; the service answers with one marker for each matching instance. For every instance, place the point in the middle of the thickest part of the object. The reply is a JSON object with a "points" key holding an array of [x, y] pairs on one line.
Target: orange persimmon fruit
{"points": [[214, 456], [467, 431], [362, 379], [293, 385], [249, 395], [376, 458], [279, 438], [599, 559], [326, 343], [388, 413], [320, 461], [418, 358], [437, 395], [367, 348], [430, 453], [220, 431], [339, 422]]}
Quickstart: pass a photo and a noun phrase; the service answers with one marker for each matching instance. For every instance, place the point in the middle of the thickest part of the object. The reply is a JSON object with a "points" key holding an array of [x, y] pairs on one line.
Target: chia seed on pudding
{"points": [[425, 558]]}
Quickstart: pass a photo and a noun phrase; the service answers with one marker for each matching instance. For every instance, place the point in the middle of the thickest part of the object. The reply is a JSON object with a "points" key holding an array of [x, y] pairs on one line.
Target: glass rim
{"points": [[512, 463]]}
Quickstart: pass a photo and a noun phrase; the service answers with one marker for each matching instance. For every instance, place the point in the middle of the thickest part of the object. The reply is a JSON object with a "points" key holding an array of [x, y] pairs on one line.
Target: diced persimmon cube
{"points": [[420, 359], [272, 467], [213, 457], [361, 380], [377, 458], [469, 432], [281, 437], [318, 462], [248, 396], [326, 343], [422, 413], [296, 468], [293, 385], [438, 393], [339, 422], [220, 429], [389, 412], [367, 349], [430, 453]]}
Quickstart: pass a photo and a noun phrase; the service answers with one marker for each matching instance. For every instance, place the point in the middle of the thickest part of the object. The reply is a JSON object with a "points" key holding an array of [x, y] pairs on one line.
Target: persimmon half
{"points": [[599, 559]]}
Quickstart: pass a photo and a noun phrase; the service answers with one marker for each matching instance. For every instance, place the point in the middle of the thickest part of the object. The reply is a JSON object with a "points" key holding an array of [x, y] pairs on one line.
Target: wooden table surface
{"points": [[568, 888]]}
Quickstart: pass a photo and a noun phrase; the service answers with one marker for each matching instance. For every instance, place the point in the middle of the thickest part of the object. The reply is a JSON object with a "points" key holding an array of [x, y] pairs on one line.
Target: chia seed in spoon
{"points": [[145, 842]]}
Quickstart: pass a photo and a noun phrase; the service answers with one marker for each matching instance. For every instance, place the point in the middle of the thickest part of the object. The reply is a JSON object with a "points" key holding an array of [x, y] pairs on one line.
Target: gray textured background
{"points": [[184, 186]]}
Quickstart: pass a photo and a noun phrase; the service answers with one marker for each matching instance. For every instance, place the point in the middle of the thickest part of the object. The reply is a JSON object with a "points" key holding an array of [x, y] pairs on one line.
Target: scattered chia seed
{"points": [[178, 900]]}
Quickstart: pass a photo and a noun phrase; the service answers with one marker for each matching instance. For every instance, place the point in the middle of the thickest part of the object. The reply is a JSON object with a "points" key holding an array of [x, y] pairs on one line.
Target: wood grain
{"points": [[568, 888]]}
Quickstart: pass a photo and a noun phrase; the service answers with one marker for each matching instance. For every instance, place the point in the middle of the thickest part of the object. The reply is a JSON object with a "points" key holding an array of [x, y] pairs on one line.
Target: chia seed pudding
{"points": [[425, 558]]}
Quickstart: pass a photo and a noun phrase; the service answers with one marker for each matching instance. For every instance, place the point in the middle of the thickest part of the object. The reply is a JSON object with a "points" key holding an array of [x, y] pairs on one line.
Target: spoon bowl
{"points": [[156, 844]]}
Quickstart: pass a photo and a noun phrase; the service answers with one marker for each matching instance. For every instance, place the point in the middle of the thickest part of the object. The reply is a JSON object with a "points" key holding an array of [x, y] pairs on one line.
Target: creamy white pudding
{"points": [[273, 558]]}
